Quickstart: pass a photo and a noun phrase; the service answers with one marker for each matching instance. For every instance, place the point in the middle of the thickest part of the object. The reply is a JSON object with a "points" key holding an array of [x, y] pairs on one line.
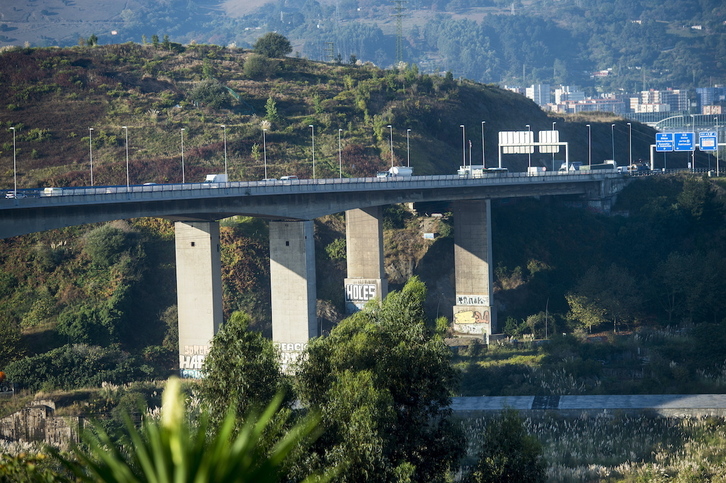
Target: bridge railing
{"points": [[104, 194]]}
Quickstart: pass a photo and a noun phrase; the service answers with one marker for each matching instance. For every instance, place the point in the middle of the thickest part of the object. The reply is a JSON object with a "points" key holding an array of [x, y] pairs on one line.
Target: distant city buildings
{"points": [[571, 100]]}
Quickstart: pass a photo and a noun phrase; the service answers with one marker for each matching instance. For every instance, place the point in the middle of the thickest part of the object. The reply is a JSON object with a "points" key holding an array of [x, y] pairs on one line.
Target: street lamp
{"points": [[483, 147], [224, 136], [182, 155], [408, 148], [312, 131], [612, 138], [390, 130], [15, 169], [589, 145], [90, 150], [340, 156], [264, 149], [630, 144], [126, 130], [463, 145], [529, 153], [553, 149], [715, 119]]}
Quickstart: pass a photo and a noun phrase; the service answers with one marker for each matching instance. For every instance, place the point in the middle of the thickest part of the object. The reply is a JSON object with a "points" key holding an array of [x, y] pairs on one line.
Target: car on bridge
{"points": [[15, 195]]}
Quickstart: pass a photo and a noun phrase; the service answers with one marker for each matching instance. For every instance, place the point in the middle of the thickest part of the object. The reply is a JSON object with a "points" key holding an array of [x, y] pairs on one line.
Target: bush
{"points": [[259, 67], [104, 245], [74, 366], [209, 92]]}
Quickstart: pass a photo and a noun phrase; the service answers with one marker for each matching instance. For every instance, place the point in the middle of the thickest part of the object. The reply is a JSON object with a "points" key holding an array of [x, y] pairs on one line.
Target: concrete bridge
{"points": [[291, 205]]}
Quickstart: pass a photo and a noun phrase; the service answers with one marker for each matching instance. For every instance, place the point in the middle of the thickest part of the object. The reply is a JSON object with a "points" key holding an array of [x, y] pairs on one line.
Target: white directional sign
{"points": [[685, 141], [707, 141], [664, 142], [549, 137], [516, 142]]}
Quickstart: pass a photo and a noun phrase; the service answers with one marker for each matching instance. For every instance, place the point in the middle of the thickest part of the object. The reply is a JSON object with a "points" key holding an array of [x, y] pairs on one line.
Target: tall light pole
{"points": [[224, 136], [483, 147], [264, 149], [312, 131], [553, 150], [182, 155], [630, 144], [529, 154], [15, 167], [463, 145], [90, 150], [128, 182], [693, 152], [715, 120], [390, 130], [612, 139], [589, 145], [340, 156], [408, 148]]}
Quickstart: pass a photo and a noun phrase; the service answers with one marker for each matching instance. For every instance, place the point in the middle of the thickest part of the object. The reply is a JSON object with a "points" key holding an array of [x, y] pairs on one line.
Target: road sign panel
{"points": [[707, 141], [664, 142], [684, 141]]}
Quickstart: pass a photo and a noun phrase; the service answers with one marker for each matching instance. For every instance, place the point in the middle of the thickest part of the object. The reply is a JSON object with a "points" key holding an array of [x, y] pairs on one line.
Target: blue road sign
{"points": [[664, 142], [684, 141], [707, 141]]}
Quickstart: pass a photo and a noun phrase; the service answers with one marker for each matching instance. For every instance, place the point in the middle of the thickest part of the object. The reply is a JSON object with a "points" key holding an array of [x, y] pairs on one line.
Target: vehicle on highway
{"points": [[15, 195], [289, 178]]}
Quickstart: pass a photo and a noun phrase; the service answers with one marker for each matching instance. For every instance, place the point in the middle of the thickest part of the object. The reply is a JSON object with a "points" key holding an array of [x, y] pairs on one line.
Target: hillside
{"points": [[643, 44]]}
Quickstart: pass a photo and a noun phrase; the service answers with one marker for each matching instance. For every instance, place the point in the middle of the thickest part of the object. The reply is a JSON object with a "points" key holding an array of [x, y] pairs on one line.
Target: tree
{"points": [[271, 110], [381, 382], [508, 453], [241, 370], [273, 44]]}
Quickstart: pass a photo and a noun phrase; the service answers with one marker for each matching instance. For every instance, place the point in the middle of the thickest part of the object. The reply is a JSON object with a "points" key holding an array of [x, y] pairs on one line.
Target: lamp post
{"points": [[463, 145], [553, 150], [90, 150], [483, 147], [630, 144], [589, 145], [224, 136], [715, 120], [182, 155], [126, 130], [340, 156], [390, 130], [312, 134], [264, 149], [612, 138], [15, 169], [529, 154], [408, 148], [693, 152]]}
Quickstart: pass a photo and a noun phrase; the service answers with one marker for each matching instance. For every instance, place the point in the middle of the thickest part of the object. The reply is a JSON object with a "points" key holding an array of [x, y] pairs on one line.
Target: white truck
{"points": [[400, 171], [216, 178]]}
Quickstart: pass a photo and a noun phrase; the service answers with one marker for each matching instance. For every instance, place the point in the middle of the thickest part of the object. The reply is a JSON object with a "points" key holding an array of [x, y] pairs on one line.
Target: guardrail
{"points": [[98, 194]]}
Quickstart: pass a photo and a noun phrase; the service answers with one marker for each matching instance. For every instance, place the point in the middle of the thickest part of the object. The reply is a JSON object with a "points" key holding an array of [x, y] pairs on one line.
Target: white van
{"points": [[289, 178]]}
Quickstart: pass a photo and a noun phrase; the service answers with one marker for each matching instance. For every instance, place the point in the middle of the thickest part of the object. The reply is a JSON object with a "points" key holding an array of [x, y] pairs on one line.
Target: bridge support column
{"points": [[474, 312], [292, 278], [199, 291], [364, 244]]}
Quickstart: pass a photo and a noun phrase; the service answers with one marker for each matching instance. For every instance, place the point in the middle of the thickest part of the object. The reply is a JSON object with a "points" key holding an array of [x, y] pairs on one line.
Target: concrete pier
{"points": [[292, 279], [364, 244], [199, 291], [473, 312]]}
